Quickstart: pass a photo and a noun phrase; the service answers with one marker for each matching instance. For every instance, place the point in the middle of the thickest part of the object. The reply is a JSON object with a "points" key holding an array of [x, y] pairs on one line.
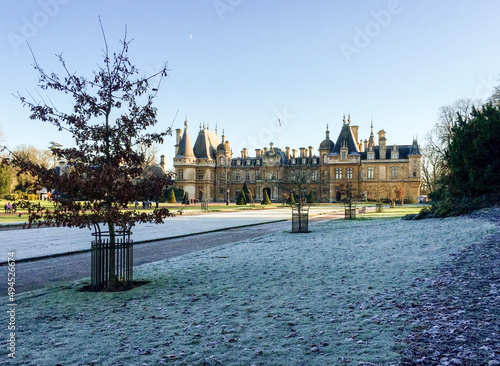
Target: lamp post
{"points": [[227, 200]]}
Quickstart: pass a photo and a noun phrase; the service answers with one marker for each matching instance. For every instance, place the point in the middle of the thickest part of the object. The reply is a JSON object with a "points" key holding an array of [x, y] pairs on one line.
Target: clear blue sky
{"points": [[240, 63]]}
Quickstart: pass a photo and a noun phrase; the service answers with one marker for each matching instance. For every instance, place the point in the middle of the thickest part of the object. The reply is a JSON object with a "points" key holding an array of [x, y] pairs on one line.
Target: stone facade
{"points": [[208, 171]]}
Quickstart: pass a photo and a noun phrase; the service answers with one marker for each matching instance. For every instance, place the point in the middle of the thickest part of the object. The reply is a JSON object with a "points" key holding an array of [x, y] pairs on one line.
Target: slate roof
{"points": [[346, 138], [404, 151], [206, 145], [185, 147]]}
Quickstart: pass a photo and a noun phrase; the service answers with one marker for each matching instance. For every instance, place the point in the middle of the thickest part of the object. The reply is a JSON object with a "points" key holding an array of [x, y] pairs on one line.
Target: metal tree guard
{"points": [[350, 210], [300, 217], [100, 258]]}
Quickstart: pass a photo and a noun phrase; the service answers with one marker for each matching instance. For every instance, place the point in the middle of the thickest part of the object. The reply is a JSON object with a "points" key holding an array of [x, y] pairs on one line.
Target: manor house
{"points": [[208, 171]]}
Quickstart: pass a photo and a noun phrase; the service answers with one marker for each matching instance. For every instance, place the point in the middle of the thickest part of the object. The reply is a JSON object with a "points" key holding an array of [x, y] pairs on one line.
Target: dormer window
{"points": [[303, 161], [238, 162], [395, 155], [248, 162], [293, 161], [371, 156], [344, 155], [258, 162]]}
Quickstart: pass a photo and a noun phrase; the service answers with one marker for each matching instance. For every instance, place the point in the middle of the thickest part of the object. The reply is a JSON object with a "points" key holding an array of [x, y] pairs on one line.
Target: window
{"points": [[249, 162], [314, 176], [200, 174], [237, 176], [414, 174], [395, 155], [180, 173], [271, 175], [349, 173], [303, 161], [247, 176], [293, 161], [371, 156], [222, 161], [325, 159], [370, 172], [257, 175], [338, 173], [258, 162], [238, 162], [221, 175], [293, 175], [394, 171], [344, 155]]}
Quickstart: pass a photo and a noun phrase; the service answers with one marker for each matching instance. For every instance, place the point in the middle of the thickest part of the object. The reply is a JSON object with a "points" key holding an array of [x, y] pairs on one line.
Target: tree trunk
{"points": [[112, 279]]}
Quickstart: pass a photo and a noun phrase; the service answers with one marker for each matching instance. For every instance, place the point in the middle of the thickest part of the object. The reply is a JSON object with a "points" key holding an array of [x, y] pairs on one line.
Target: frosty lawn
{"points": [[29, 243], [332, 295]]}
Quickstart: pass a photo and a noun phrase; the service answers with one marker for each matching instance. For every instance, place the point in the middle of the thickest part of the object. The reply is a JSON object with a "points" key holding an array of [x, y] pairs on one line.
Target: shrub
{"points": [[185, 199], [265, 199], [171, 196], [241, 199]]}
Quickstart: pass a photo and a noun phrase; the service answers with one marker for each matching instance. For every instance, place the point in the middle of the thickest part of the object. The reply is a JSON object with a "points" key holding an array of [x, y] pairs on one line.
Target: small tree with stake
{"points": [[108, 121]]}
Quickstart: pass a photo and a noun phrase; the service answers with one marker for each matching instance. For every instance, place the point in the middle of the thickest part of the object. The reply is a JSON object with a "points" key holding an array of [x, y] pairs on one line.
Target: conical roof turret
{"points": [[185, 146]]}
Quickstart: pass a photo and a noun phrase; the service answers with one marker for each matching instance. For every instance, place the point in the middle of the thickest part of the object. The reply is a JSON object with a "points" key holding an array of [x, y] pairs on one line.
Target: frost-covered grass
{"points": [[392, 213], [29, 243], [282, 299]]}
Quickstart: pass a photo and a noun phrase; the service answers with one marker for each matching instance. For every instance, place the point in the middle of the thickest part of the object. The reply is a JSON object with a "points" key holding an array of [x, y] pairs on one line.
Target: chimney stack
{"points": [[177, 139], [310, 151], [287, 152], [162, 162], [294, 153], [354, 130], [257, 153], [302, 151]]}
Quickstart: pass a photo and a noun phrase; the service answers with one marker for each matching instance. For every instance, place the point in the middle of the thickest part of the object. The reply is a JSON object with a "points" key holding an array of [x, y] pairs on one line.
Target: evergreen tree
{"points": [[241, 200], [473, 155], [292, 199], [265, 199], [185, 200], [171, 197], [310, 197], [248, 194], [179, 193], [6, 179]]}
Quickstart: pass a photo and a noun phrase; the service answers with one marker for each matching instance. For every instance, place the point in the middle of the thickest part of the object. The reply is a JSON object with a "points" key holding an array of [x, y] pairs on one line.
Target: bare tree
{"points": [[150, 153], [296, 179], [439, 138]]}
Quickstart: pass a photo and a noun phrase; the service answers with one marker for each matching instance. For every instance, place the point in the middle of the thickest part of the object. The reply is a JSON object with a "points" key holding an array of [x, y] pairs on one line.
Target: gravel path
{"points": [[457, 321]]}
